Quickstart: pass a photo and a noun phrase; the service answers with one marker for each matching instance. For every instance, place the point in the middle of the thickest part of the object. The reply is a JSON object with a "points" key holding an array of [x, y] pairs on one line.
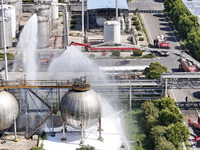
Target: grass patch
{"points": [[152, 55], [9, 56], [145, 32]]}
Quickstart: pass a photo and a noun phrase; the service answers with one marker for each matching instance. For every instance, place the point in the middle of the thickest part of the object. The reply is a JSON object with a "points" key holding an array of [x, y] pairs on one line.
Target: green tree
{"points": [[154, 70], [177, 11], [150, 109], [163, 144], [156, 132], [167, 117], [165, 102], [177, 133], [186, 23]]}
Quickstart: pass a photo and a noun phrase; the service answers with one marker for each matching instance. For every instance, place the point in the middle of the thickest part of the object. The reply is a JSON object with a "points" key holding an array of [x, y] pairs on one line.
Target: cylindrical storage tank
{"points": [[55, 11], [78, 105], [18, 11], [43, 32], [8, 32], [100, 21], [43, 10], [9, 109], [9, 12], [112, 31]]}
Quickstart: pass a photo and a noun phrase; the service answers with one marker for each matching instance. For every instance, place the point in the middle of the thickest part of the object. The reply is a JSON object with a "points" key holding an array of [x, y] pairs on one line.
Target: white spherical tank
{"points": [[55, 11], [80, 105], [100, 21], [9, 12], [8, 32], [9, 109], [112, 31], [43, 32]]}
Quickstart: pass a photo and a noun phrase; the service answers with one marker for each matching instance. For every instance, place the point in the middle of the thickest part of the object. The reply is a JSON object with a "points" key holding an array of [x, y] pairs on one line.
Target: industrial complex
{"points": [[59, 85]]}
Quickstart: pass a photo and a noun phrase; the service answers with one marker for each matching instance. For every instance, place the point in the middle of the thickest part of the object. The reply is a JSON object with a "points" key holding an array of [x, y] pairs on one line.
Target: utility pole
{"points": [[4, 42], [83, 34]]}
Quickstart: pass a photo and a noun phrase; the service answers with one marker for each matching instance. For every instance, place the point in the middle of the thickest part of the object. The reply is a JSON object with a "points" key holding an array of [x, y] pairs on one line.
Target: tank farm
{"points": [[35, 104]]}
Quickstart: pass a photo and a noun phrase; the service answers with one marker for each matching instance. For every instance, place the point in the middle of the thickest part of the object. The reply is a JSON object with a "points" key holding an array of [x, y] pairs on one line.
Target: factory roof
{"points": [[193, 6], [106, 4]]}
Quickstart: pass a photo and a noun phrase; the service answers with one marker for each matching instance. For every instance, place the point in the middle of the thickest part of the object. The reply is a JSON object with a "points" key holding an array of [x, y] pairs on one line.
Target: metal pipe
{"points": [[83, 34], [4, 42], [116, 10], [166, 82], [15, 129], [130, 97], [100, 137]]}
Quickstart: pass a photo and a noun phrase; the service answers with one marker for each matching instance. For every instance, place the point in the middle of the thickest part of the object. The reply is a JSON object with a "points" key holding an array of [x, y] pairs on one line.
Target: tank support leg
{"points": [[15, 131], [63, 138], [81, 143], [100, 137]]}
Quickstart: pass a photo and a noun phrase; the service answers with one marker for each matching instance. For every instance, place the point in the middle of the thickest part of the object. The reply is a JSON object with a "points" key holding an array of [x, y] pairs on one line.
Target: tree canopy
{"points": [[154, 70]]}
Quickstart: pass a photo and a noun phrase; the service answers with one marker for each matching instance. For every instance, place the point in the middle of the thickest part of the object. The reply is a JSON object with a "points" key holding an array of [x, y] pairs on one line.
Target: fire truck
{"points": [[188, 66], [162, 43]]}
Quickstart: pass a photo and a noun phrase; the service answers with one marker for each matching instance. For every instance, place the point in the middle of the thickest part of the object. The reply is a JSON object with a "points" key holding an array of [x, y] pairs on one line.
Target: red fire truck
{"points": [[188, 66], [162, 43]]}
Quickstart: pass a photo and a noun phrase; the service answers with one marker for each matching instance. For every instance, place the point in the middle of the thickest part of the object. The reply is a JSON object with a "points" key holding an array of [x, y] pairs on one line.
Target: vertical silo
{"points": [[44, 11], [9, 12], [112, 31], [18, 11], [43, 32], [8, 32], [55, 11]]}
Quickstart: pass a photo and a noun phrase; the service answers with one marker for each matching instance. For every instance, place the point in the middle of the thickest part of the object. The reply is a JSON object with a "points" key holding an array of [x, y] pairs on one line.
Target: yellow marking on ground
{"points": [[191, 116], [194, 105]]}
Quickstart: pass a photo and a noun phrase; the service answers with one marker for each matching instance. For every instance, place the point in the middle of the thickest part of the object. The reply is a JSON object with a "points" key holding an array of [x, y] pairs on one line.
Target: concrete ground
{"points": [[22, 144]]}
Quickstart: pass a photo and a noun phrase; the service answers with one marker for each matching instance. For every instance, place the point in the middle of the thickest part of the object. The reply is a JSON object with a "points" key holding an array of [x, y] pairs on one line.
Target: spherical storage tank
{"points": [[9, 109], [9, 12], [80, 105], [112, 31], [43, 32], [8, 32]]}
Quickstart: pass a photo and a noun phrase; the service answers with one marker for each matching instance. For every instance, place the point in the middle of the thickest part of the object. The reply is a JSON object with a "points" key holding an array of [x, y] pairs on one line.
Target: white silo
{"points": [[45, 11], [112, 31], [43, 32], [18, 11], [55, 11], [9, 12], [8, 35]]}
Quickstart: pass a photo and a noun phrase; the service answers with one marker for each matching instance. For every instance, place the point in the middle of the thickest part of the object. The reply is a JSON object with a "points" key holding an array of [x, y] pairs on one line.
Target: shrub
{"points": [[116, 53], [138, 52], [73, 21], [87, 147], [134, 18], [138, 27], [136, 23], [139, 34], [92, 55], [152, 55], [141, 39], [72, 26]]}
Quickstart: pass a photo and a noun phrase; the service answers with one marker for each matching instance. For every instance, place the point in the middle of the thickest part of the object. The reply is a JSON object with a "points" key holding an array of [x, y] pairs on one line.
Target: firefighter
{"points": [[186, 99]]}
